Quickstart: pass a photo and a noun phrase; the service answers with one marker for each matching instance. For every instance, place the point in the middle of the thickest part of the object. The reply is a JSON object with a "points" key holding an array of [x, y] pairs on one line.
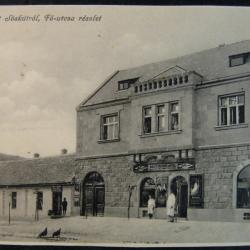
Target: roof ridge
{"points": [[183, 56], [37, 159]]}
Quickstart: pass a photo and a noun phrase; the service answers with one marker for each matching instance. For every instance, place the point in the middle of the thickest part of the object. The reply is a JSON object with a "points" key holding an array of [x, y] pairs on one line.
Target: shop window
{"points": [[157, 191], [243, 188], [147, 120], [161, 195], [174, 116], [40, 200], [13, 200], [196, 191], [109, 127], [231, 110], [147, 188], [160, 118]]}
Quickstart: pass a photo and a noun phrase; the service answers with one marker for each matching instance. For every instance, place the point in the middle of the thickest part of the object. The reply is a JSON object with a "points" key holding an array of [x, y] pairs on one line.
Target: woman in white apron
{"points": [[171, 206], [151, 206]]}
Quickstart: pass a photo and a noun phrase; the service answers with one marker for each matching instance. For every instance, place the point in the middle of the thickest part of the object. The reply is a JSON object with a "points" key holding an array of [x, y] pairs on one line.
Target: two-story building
{"points": [[179, 124]]}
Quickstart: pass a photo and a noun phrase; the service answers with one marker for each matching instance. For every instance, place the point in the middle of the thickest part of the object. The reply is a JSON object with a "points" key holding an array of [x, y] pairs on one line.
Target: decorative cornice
{"points": [[232, 145], [223, 80], [104, 104]]}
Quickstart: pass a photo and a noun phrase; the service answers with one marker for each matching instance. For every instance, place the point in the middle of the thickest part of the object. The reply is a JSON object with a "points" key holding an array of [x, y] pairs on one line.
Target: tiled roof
{"points": [[58, 169], [211, 64], [5, 157]]}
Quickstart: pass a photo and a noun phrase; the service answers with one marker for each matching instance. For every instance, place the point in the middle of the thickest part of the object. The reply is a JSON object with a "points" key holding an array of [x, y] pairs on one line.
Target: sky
{"points": [[48, 67]]}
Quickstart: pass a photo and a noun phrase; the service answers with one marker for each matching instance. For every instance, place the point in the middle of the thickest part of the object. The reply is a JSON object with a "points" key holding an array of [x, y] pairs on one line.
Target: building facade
{"points": [[35, 188], [179, 125]]}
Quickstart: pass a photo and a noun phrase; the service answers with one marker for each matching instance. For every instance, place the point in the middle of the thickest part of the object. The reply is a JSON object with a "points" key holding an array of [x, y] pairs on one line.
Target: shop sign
{"points": [[56, 188], [188, 164]]}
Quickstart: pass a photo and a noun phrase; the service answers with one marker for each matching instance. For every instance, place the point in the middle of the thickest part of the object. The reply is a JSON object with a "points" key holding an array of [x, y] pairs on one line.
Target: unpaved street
{"points": [[121, 230]]}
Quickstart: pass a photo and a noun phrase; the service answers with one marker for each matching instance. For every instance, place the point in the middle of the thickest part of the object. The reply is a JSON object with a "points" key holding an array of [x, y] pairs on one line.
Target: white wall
{"points": [[26, 201]]}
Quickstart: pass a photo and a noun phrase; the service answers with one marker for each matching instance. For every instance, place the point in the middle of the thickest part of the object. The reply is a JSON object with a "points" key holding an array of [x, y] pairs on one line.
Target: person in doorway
{"points": [[64, 206], [171, 206], [151, 206]]}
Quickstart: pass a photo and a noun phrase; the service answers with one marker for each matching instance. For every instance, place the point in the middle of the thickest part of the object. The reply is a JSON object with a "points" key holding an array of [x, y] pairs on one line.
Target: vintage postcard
{"points": [[125, 125]]}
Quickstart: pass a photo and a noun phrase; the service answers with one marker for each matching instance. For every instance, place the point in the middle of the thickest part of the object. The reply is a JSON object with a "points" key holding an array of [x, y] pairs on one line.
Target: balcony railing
{"points": [[164, 83]]}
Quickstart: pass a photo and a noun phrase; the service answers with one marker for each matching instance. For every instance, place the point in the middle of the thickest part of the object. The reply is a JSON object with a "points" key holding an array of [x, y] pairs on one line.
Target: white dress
{"points": [[151, 206], [171, 205]]}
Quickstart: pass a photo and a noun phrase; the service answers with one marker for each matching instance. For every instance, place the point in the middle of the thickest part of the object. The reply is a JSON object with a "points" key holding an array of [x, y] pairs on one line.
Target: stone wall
{"points": [[218, 166], [117, 175]]}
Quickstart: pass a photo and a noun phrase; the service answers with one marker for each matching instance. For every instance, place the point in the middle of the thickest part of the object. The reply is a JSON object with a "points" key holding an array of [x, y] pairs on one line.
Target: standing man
{"points": [[151, 206], [171, 206], [64, 206]]}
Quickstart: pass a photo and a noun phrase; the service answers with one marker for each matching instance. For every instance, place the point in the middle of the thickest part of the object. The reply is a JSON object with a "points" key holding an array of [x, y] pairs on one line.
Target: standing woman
{"points": [[151, 206], [171, 206]]}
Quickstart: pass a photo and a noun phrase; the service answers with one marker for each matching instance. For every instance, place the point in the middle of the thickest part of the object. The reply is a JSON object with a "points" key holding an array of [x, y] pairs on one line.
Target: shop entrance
{"points": [[57, 200], [93, 195], [180, 188]]}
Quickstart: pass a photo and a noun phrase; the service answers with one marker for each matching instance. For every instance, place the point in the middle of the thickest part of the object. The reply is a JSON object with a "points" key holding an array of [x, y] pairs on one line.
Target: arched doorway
{"points": [[93, 200], [243, 188], [179, 187]]}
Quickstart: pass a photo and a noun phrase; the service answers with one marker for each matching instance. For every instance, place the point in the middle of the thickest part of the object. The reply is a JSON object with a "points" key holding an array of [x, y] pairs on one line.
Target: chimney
{"points": [[36, 155], [222, 45], [64, 151]]}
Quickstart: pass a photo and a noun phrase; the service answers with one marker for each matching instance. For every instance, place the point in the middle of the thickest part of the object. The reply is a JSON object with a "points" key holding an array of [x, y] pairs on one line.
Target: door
{"points": [[99, 201], [183, 194], [89, 198], [57, 203], [93, 200], [180, 189]]}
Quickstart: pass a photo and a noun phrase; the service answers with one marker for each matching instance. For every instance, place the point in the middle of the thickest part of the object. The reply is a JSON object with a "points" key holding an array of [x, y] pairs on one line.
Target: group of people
{"points": [[171, 204]]}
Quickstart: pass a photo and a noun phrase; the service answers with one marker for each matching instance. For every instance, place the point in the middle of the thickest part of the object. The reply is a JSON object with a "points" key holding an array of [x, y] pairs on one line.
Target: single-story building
{"points": [[35, 188]]}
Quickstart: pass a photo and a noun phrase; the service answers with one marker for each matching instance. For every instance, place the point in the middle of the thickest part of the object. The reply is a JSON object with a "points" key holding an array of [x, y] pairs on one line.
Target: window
{"points": [[110, 127], [147, 120], [39, 200], [243, 188], [13, 200], [231, 110], [125, 84], [160, 118], [237, 60], [174, 116]]}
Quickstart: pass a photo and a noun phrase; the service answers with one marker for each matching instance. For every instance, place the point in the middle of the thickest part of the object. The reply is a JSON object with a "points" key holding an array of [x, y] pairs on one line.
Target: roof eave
{"points": [[94, 93]]}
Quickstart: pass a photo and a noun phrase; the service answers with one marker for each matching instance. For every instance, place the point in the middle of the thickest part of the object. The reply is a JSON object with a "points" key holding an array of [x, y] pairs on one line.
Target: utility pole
{"points": [[9, 204]]}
